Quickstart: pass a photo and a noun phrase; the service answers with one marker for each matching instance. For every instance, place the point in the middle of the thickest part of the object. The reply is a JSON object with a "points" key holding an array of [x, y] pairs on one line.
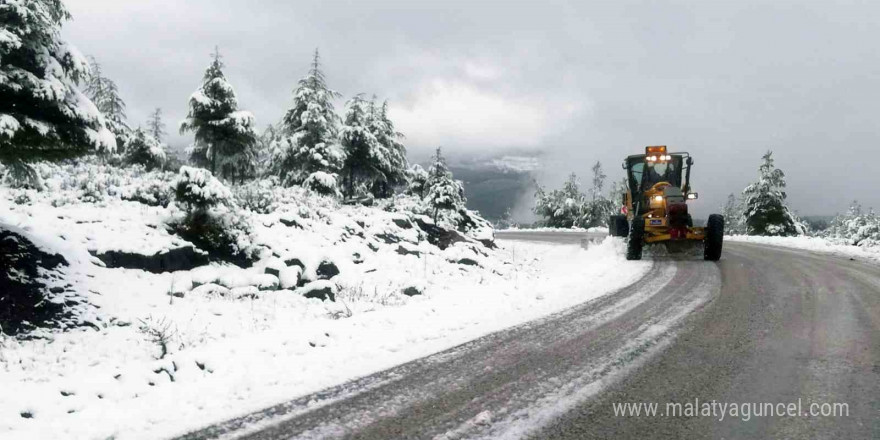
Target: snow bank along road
{"points": [[764, 324]]}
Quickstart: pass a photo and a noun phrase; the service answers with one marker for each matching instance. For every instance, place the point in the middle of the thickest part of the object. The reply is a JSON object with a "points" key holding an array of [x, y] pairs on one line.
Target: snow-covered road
{"points": [[763, 325], [505, 384]]}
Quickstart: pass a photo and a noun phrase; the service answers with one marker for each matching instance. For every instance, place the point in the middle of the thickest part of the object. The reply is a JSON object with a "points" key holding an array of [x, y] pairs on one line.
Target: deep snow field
{"points": [[239, 340]]}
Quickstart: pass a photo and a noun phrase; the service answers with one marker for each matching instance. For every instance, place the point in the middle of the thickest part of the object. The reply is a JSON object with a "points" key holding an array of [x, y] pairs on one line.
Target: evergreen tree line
{"points": [[56, 104], [568, 207], [856, 227]]}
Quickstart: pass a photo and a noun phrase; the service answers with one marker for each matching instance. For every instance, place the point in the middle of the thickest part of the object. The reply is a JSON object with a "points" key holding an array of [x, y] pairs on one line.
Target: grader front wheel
{"points": [[636, 239]]}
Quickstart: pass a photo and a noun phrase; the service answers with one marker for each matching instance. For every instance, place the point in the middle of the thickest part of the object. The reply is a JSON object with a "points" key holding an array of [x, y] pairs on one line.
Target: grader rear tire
{"points": [[714, 238]]}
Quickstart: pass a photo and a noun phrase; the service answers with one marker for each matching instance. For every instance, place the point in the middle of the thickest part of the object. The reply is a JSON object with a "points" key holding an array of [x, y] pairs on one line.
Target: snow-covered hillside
{"points": [[334, 292]]}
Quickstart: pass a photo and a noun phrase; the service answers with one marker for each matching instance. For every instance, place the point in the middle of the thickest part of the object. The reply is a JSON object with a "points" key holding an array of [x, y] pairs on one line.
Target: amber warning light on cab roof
{"points": [[657, 154], [660, 149]]}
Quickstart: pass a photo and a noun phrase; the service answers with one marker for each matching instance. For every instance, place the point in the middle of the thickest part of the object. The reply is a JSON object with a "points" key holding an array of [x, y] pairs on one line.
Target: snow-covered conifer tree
{"points": [[732, 212], [104, 93], [225, 138], [266, 143], [375, 158], [418, 181], [311, 126], [390, 159], [444, 192], [43, 115], [764, 209], [359, 145], [561, 208], [143, 149], [598, 209], [156, 126]]}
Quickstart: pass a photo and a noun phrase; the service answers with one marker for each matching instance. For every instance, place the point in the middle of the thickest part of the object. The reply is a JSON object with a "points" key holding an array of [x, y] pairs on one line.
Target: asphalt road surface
{"points": [[763, 326]]}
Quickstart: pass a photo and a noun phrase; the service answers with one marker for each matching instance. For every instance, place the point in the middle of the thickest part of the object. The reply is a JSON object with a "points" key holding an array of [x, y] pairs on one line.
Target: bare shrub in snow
{"points": [[158, 332]]}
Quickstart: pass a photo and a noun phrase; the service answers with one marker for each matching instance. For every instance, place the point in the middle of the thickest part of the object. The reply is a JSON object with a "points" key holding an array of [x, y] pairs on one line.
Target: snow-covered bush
{"points": [[258, 196], [322, 183], [142, 149], [211, 219], [22, 198], [197, 188], [151, 192]]}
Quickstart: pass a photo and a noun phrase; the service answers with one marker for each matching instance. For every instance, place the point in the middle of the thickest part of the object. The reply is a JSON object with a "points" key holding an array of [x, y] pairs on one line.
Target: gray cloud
{"points": [[574, 82]]}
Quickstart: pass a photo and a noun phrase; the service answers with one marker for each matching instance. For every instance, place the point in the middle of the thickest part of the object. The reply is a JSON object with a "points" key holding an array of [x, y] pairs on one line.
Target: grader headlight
{"points": [[658, 199]]}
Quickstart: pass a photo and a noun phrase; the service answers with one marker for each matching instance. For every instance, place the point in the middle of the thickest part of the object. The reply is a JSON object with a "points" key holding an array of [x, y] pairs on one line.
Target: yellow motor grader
{"points": [[655, 206]]}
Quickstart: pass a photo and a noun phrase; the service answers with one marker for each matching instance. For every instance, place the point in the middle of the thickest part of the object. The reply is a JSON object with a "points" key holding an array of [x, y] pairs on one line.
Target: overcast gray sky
{"points": [[573, 82]]}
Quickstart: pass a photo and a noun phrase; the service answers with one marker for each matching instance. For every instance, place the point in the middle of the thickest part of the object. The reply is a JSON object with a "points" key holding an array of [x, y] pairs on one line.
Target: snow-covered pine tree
{"points": [[141, 148], [417, 179], [598, 209], [360, 146], [444, 192], [43, 115], [104, 93], [225, 137], [391, 158], [764, 209], [732, 212], [561, 208], [156, 126], [374, 156], [266, 143], [311, 126]]}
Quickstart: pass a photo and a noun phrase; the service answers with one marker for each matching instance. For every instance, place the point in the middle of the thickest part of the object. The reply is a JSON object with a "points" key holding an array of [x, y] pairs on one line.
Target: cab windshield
{"points": [[644, 174]]}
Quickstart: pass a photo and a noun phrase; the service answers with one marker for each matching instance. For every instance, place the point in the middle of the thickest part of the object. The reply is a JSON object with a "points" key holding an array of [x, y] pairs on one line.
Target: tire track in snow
{"points": [[502, 382]]}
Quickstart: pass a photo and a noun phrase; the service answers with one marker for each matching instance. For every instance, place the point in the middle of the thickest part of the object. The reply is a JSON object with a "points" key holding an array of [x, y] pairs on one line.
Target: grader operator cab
{"points": [[655, 206]]}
